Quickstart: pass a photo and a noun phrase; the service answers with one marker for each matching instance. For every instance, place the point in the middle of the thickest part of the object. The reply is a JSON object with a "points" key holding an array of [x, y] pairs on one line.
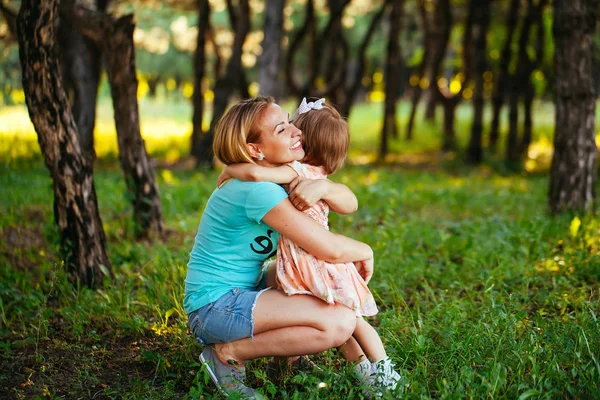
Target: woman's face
{"points": [[279, 139]]}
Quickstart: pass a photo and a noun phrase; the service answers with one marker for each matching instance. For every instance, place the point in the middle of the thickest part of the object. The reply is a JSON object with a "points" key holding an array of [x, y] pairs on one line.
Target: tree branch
{"points": [[10, 17]]}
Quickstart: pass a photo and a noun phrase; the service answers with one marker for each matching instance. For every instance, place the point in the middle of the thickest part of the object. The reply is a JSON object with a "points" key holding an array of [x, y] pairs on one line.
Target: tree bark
{"points": [[392, 66], [82, 238], [81, 64], [327, 53], [475, 148], [529, 91], [502, 76], [573, 172], [516, 86], [307, 28], [440, 36], [10, 17], [199, 66], [511, 151], [449, 140], [116, 39], [450, 101], [268, 63], [520, 86], [528, 95], [421, 69], [331, 53], [228, 83], [356, 80]]}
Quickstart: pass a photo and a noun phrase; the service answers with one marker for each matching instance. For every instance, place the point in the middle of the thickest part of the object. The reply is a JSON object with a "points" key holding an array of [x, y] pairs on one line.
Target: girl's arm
{"points": [[314, 238], [255, 173], [305, 193]]}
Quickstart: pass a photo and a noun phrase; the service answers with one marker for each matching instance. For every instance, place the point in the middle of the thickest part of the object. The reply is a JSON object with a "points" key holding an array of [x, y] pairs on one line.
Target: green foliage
{"points": [[481, 292]]}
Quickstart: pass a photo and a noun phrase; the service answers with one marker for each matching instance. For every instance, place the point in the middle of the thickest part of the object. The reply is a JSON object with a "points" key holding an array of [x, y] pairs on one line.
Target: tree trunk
{"points": [[528, 68], [268, 63], [449, 141], [518, 82], [501, 80], [228, 83], [333, 50], [10, 17], [440, 35], [116, 39], [327, 53], [512, 144], [75, 206], [199, 64], [307, 28], [528, 95], [153, 82], [356, 80], [450, 101], [573, 172], [421, 69], [81, 64], [392, 66], [475, 149], [243, 81]]}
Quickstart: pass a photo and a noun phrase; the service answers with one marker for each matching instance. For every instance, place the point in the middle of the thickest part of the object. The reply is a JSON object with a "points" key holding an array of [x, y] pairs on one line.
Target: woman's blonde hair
{"points": [[325, 137], [238, 126]]}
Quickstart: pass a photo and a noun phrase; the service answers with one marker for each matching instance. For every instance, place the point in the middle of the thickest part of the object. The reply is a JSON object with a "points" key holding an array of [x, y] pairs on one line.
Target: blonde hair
{"points": [[325, 138], [238, 126]]}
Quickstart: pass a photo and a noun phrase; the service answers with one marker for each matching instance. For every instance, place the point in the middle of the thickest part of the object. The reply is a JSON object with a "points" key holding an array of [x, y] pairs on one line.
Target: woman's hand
{"points": [[365, 268], [305, 193]]}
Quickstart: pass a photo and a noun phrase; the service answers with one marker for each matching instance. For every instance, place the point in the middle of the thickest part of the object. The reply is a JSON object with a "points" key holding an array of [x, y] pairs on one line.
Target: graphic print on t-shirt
{"points": [[264, 245]]}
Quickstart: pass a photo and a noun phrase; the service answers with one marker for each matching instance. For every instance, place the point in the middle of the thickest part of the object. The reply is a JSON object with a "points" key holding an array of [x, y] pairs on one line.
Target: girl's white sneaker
{"points": [[385, 376]]}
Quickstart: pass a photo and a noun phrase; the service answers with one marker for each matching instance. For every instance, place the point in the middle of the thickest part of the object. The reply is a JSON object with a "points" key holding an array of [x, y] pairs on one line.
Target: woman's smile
{"points": [[280, 141], [296, 146]]}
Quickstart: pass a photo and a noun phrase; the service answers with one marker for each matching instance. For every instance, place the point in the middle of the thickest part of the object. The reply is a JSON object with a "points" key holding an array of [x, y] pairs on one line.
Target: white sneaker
{"points": [[364, 371], [386, 377]]}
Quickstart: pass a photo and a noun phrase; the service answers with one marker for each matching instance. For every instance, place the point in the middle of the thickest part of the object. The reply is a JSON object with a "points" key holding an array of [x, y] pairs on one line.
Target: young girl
{"points": [[325, 141]]}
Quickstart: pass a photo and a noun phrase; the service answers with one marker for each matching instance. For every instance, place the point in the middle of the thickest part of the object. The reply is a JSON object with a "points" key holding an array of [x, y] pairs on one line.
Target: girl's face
{"points": [[279, 139]]}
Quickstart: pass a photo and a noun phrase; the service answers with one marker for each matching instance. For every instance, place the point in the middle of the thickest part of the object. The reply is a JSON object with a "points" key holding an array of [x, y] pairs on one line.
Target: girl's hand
{"points": [[365, 268], [224, 176], [305, 193]]}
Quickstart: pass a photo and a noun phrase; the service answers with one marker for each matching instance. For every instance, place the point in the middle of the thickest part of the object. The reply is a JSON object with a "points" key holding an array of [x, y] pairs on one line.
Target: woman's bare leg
{"points": [[291, 326], [369, 341]]}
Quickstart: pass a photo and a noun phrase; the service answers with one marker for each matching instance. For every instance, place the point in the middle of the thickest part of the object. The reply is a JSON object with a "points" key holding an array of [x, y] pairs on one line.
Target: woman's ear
{"points": [[253, 149]]}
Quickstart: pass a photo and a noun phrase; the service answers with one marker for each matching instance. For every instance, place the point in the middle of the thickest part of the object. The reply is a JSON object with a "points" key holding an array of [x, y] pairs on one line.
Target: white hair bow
{"points": [[313, 105]]}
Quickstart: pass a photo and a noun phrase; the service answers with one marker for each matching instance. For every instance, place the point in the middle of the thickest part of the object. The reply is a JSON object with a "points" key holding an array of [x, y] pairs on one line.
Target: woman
{"points": [[229, 308]]}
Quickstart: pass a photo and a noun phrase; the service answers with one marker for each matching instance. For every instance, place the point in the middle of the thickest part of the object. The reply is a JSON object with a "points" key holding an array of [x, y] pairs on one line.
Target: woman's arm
{"points": [[304, 193], [314, 238], [256, 173]]}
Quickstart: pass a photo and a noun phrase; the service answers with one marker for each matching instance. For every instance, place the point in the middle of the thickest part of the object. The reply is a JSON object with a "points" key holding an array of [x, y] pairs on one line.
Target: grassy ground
{"points": [[481, 292]]}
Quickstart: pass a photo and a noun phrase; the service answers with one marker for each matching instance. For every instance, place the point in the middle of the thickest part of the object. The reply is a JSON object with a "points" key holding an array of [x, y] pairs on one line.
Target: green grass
{"points": [[482, 294]]}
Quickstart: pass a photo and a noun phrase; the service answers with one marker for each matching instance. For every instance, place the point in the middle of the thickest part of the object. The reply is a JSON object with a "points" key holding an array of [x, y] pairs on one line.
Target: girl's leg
{"points": [[369, 341], [291, 326], [382, 374], [351, 351]]}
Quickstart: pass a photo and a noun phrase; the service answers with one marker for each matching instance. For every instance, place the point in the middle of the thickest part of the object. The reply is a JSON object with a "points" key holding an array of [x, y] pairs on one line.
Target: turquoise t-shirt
{"points": [[232, 242]]}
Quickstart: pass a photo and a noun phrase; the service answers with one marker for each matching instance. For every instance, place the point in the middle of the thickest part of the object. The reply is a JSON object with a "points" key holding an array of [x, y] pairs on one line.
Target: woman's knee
{"points": [[341, 326]]}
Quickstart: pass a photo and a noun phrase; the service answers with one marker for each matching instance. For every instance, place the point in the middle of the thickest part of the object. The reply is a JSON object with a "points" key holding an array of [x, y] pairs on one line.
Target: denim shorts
{"points": [[227, 319]]}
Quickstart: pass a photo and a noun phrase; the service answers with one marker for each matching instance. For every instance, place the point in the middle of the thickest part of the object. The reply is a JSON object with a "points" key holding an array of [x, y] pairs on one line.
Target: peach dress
{"points": [[299, 272]]}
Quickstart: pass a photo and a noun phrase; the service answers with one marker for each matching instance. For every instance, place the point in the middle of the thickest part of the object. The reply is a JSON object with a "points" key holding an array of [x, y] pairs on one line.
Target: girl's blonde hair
{"points": [[325, 137], [238, 126]]}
